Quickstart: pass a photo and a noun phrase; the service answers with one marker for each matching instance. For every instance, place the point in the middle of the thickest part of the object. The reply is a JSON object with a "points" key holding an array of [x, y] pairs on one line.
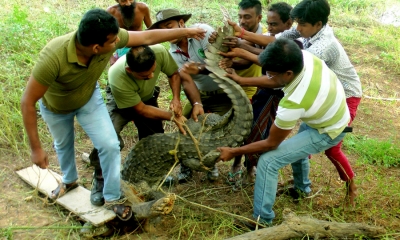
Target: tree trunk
{"points": [[295, 226]]}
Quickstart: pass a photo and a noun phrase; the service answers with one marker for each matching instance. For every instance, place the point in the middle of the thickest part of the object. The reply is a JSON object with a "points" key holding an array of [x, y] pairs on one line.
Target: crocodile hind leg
{"points": [[153, 208]]}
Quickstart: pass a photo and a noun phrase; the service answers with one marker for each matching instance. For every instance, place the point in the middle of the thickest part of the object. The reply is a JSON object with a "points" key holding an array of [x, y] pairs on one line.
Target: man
{"points": [[319, 39], [249, 16], [266, 100], [188, 53], [130, 16], [312, 18], [278, 18], [65, 81], [133, 97], [314, 95]]}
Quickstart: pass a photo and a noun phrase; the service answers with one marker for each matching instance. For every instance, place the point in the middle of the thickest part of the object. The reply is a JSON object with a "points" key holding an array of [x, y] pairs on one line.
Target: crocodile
{"points": [[152, 157]]}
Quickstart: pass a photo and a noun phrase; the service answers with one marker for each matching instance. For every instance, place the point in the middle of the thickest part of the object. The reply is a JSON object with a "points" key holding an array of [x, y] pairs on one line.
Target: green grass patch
{"points": [[372, 151]]}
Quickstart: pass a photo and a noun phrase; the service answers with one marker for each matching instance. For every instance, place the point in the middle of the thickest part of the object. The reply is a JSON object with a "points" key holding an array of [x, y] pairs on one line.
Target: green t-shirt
{"points": [[128, 91], [71, 84]]}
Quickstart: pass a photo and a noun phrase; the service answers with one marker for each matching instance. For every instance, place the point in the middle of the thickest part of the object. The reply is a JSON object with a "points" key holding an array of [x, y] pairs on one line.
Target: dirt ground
{"points": [[22, 208]]}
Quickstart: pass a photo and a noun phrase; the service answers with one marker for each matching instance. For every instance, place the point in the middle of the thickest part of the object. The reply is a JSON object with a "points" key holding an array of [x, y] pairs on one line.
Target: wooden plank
{"points": [[76, 201]]}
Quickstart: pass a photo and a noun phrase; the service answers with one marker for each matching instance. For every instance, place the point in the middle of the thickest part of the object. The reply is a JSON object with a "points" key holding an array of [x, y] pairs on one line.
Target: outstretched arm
{"points": [[259, 39], [151, 37], [241, 53], [276, 136], [152, 112], [251, 49], [262, 82], [33, 92]]}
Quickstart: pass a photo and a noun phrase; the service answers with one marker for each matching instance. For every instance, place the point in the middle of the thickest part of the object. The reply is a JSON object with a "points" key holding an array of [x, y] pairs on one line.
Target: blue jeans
{"points": [[96, 122], [294, 151]]}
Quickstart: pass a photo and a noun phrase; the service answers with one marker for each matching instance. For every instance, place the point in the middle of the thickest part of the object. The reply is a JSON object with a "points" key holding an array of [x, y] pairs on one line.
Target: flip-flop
{"points": [[62, 189], [234, 177]]}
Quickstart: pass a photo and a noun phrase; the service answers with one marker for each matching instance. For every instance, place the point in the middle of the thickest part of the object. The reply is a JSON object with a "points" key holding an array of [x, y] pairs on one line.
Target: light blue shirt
{"points": [[196, 51]]}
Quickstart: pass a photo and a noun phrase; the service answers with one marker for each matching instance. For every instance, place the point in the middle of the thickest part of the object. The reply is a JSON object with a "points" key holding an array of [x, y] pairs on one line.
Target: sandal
{"points": [[122, 211], [233, 178], [62, 189]]}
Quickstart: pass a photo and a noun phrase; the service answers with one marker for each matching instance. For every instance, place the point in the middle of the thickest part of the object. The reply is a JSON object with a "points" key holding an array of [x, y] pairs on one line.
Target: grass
{"points": [[373, 150]]}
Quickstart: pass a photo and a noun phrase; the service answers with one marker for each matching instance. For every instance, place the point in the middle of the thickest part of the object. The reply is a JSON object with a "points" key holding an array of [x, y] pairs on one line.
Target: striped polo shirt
{"points": [[316, 97]]}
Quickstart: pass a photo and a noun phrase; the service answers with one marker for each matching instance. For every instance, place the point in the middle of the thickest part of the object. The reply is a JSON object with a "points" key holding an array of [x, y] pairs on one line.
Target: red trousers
{"points": [[335, 153]]}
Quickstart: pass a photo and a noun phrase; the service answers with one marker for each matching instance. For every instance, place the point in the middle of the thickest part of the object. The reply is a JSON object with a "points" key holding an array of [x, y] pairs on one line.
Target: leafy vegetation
{"points": [[373, 151]]}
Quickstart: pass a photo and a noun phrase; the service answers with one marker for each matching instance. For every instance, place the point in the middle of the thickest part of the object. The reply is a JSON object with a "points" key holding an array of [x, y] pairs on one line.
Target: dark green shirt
{"points": [[71, 84], [127, 90]]}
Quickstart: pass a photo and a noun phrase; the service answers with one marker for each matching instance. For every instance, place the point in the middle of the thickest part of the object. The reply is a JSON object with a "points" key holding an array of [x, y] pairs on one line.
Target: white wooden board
{"points": [[76, 200]]}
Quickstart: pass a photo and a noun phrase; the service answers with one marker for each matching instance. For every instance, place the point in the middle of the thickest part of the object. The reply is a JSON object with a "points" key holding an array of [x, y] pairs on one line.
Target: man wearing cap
{"points": [[188, 53]]}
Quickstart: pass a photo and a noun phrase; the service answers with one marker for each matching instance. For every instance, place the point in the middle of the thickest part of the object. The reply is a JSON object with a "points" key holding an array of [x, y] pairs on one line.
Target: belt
{"points": [[212, 93], [348, 129]]}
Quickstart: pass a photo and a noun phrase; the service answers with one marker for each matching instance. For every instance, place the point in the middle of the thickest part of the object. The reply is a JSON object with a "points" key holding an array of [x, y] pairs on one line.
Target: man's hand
{"points": [[230, 73], [212, 37], [196, 33], [196, 111], [39, 158], [232, 42], [226, 153], [225, 63], [234, 52], [179, 121], [237, 28], [191, 68], [176, 107]]}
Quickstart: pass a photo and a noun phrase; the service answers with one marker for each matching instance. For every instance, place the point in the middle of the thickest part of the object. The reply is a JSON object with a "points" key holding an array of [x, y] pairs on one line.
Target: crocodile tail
{"points": [[242, 110]]}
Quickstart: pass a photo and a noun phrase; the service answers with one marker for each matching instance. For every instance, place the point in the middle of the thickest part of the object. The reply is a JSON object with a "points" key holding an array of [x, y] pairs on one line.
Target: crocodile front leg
{"points": [[206, 162]]}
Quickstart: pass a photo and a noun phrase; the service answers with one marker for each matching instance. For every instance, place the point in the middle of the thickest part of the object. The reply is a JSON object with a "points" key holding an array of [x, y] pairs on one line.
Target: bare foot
{"points": [[154, 208], [351, 193]]}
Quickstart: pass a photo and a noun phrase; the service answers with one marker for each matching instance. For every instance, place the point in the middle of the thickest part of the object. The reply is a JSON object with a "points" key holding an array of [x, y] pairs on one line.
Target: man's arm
{"points": [[241, 53], [152, 112], [259, 39], [234, 42], [151, 37], [147, 19], [175, 84], [276, 136], [192, 93], [33, 92], [262, 82], [251, 49], [240, 64]]}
